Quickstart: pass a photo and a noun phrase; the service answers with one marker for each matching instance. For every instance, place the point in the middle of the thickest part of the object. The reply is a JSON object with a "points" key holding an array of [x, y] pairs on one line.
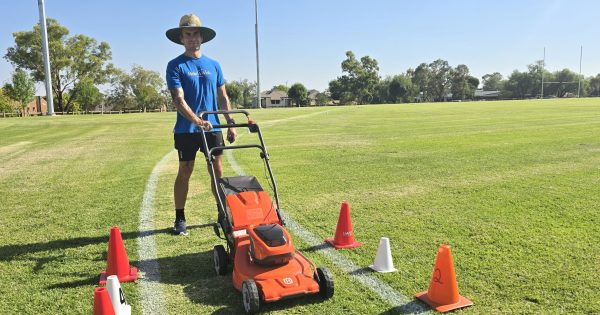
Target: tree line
{"points": [[438, 81], [81, 65]]}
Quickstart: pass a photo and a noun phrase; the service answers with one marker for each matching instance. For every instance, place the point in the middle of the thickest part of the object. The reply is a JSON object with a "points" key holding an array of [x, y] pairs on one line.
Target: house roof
{"points": [[274, 94]]}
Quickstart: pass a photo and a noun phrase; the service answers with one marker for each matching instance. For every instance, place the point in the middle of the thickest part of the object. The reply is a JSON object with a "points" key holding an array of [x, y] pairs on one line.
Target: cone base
{"points": [[132, 276], [382, 270], [462, 302], [331, 241]]}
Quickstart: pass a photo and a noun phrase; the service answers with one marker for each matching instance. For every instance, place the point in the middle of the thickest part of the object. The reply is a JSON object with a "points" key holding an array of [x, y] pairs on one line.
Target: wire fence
{"points": [[94, 112]]}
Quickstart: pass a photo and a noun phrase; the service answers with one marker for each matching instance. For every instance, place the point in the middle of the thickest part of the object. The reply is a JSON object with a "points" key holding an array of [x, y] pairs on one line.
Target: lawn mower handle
{"points": [[253, 128], [234, 111]]}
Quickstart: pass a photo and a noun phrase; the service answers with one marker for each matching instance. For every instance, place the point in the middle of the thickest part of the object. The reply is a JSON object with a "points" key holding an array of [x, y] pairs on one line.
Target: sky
{"points": [[306, 41]]}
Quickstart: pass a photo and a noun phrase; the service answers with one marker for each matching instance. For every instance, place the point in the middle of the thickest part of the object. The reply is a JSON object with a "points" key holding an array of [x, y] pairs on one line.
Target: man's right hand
{"points": [[203, 124]]}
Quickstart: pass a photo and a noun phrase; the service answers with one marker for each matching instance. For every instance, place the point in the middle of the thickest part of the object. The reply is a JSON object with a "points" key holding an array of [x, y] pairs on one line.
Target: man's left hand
{"points": [[231, 135]]}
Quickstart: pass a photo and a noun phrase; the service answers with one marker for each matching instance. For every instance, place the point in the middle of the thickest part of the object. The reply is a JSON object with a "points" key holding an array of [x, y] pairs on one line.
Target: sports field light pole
{"points": [[257, 63], [543, 66], [580, 57], [46, 57]]}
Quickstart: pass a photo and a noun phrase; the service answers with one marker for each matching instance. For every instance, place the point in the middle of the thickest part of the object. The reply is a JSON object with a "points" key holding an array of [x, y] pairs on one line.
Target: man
{"points": [[196, 84]]}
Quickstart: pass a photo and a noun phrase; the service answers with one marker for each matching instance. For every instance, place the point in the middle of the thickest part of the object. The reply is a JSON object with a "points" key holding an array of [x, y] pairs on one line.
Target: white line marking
{"points": [[401, 303], [151, 295]]}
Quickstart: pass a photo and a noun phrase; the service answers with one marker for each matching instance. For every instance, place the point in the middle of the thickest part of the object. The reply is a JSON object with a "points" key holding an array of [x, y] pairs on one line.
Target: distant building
{"points": [[312, 97], [37, 107], [486, 95], [273, 98], [278, 98]]}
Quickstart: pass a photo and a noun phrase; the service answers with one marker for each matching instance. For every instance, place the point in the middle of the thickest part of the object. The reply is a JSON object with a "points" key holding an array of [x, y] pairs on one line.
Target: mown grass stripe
{"points": [[151, 295]]}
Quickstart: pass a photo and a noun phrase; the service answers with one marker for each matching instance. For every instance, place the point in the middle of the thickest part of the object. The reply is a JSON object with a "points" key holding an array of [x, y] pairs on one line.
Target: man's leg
{"points": [[182, 183], [218, 163], [180, 191]]}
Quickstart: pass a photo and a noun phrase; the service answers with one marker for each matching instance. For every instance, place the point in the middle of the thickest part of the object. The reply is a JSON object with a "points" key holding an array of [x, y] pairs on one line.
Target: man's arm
{"points": [[223, 101], [224, 104], [186, 111]]}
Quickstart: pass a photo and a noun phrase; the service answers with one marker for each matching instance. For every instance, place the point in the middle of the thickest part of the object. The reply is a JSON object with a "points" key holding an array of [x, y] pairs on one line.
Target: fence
{"points": [[97, 112]]}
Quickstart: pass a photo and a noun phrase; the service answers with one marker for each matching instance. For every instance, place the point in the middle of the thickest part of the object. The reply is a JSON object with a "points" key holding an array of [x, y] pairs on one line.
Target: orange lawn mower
{"points": [[266, 265]]}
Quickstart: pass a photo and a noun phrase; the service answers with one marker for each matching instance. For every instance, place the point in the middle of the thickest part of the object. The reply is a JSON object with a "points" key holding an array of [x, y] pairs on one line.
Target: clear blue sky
{"points": [[305, 41]]}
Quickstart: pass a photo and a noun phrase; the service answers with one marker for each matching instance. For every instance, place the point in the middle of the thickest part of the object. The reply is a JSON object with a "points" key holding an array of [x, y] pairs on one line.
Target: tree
{"points": [[323, 99], [87, 95], [473, 84], [492, 82], [459, 82], [439, 83], [336, 88], [517, 85], [359, 82], [119, 96], [527, 84], [281, 87], [71, 58], [594, 83], [6, 103], [21, 90], [142, 89], [298, 94], [247, 92], [146, 86], [382, 91], [534, 77], [234, 91], [401, 89], [420, 78], [563, 82]]}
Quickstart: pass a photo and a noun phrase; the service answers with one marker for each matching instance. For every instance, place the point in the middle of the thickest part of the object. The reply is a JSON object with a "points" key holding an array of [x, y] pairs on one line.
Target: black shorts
{"points": [[187, 144]]}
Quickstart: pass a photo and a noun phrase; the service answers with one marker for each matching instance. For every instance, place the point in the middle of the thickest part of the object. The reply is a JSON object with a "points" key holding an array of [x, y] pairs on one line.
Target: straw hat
{"points": [[190, 21]]}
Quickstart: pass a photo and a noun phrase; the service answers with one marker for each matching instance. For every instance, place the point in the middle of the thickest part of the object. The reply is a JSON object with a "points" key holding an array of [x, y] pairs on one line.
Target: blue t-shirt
{"points": [[199, 79]]}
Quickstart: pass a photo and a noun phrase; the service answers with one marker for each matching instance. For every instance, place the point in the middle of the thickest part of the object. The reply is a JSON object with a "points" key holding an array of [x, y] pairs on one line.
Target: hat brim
{"points": [[174, 34]]}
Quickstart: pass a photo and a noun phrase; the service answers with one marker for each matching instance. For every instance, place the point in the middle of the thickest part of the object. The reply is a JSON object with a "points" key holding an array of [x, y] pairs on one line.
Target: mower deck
{"points": [[276, 282]]}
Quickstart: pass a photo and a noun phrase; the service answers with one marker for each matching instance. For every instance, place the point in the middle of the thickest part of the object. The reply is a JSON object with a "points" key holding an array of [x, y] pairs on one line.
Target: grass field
{"points": [[513, 187]]}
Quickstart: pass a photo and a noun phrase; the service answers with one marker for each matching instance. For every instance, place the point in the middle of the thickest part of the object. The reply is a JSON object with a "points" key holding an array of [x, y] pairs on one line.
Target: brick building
{"points": [[37, 107]]}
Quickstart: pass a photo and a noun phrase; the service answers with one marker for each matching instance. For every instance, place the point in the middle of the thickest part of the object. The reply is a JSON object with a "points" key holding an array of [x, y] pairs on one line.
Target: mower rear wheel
{"points": [[325, 280], [220, 260], [250, 296]]}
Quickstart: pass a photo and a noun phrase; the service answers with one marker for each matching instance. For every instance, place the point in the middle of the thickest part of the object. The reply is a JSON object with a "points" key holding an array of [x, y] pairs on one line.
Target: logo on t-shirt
{"points": [[202, 73]]}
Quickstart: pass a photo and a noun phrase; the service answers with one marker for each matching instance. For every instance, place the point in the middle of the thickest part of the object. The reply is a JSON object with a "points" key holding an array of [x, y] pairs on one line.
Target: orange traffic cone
{"points": [[344, 236], [443, 290], [102, 304], [117, 262]]}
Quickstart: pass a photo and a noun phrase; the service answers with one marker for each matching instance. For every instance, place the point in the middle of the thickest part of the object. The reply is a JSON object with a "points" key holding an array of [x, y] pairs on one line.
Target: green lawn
{"points": [[513, 187]]}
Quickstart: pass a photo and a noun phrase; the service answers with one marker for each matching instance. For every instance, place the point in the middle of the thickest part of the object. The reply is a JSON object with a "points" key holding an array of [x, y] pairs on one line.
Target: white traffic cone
{"points": [[117, 297], [383, 259]]}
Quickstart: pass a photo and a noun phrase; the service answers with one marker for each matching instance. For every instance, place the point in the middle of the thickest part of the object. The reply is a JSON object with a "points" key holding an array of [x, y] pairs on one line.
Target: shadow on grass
{"points": [[10, 252], [413, 307], [202, 286], [316, 248], [27, 252], [195, 272]]}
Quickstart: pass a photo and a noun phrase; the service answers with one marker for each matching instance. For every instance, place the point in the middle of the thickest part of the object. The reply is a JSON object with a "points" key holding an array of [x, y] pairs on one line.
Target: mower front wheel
{"points": [[220, 260], [250, 296], [325, 280]]}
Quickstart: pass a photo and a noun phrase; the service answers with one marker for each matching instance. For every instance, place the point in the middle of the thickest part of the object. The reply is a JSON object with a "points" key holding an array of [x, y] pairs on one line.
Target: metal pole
{"points": [[46, 55], [543, 66], [257, 63], [579, 85]]}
